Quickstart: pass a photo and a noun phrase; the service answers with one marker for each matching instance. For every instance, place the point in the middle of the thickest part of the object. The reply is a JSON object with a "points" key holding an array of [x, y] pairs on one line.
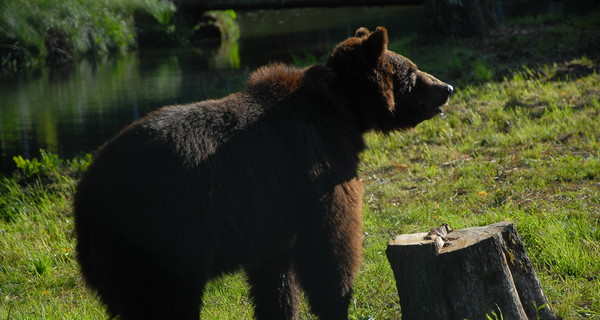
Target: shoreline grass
{"points": [[35, 33], [521, 146]]}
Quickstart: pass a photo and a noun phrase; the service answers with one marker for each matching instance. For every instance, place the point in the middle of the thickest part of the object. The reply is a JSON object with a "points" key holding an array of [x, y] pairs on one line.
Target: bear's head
{"points": [[386, 89]]}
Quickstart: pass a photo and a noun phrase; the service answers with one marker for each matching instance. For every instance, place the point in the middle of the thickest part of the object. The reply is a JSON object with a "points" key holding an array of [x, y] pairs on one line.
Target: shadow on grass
{"points": [[570, 42]]}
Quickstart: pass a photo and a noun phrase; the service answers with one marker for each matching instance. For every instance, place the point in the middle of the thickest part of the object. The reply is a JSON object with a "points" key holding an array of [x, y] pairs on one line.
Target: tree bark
{"points": [[462, 18], [473, 273]]}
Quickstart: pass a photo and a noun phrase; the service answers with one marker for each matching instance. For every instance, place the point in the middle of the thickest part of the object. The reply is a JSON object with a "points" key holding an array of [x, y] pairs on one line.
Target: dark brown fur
{"points": [[264, 180]]}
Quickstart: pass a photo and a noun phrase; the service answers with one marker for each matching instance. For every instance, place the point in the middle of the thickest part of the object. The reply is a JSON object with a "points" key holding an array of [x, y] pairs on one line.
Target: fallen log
{"points": [[474, 273]]}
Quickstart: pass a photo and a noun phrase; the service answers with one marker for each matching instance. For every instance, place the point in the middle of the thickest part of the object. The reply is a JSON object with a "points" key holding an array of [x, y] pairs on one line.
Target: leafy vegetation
{"points": [[519, 145], [32, 32], [38, 32]]}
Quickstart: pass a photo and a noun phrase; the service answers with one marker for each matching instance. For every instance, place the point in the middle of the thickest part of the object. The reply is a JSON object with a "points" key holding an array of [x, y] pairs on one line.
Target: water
{"points": [[74, 110]]}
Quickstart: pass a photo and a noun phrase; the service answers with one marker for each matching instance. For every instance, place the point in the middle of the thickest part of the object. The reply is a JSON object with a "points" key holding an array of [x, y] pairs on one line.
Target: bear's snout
{"points": [[435, 92], [444, 91], [436, 96]]}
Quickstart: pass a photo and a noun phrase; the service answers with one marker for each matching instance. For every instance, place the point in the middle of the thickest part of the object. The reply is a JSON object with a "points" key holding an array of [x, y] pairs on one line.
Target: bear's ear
{"points": [[376, 43], [362, 32]]}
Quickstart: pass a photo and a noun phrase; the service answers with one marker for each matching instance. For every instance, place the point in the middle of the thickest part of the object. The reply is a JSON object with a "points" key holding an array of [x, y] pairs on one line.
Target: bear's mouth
{"points": [[432, 111], [440, 109]]}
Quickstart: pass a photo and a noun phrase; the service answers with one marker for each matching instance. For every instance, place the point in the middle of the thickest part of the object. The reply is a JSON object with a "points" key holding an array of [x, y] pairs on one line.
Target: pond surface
{"points": [[74, 110]]}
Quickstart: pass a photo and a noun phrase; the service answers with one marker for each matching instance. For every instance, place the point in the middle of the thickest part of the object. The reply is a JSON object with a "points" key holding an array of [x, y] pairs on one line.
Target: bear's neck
{"points": [[324, 114]]}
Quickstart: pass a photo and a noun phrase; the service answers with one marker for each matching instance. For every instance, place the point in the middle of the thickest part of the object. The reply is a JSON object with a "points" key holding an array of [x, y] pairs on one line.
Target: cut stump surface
{"points": [[474, 273]]}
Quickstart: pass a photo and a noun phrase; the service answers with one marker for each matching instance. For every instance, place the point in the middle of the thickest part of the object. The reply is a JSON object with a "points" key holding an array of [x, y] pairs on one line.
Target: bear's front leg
{"points": [[274, 289], [328, 253]]}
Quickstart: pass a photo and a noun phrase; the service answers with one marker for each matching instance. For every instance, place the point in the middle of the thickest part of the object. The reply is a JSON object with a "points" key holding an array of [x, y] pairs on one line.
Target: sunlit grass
{"points": [[533, 162]]}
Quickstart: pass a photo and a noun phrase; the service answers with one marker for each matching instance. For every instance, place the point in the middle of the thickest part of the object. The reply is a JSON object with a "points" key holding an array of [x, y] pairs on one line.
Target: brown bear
{"points": [[264, 181]]}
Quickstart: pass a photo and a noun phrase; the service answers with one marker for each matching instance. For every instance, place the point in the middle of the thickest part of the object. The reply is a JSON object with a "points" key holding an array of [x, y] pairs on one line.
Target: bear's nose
{"points": [[450, 89]]}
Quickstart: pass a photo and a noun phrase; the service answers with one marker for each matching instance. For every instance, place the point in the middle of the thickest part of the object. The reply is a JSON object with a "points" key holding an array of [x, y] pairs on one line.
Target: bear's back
{"points": [[210, 165]]}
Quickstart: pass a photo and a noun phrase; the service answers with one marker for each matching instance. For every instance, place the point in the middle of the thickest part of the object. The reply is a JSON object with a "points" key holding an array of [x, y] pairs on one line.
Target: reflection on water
{"points": [[74, 110], [77, 110], [317, 30], [71, 111]]}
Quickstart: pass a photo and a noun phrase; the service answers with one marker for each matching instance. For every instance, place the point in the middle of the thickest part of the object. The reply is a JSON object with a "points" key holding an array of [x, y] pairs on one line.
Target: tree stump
{"points": [[474, 273]]}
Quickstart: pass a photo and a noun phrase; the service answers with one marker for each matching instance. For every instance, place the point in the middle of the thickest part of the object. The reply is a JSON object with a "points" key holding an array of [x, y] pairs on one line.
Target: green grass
{"points": [[521, 145], [486, 161]]}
